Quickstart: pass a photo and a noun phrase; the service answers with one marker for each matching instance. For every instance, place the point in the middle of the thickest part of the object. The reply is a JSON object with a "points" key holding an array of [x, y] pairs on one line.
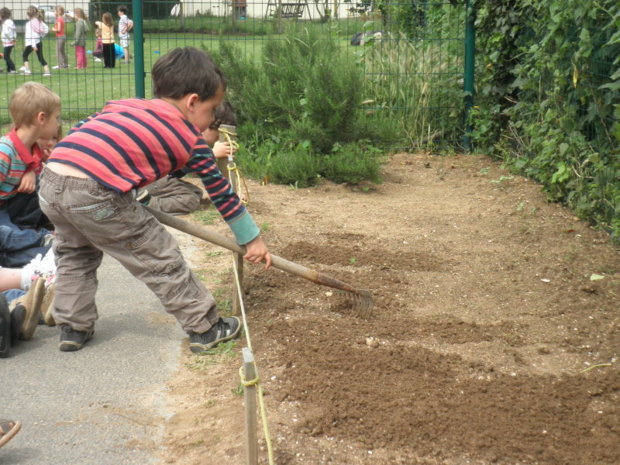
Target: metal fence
{"points": [[412, 53]]}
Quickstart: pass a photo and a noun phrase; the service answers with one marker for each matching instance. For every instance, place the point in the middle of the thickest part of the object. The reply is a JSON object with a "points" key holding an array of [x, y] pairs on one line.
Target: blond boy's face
{"points": [[211, 136], [202, 114], [49, 126]]}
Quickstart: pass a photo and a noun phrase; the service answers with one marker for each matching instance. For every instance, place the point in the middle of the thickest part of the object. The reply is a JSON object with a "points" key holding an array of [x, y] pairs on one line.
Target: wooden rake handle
{"points": [[276, 261]]}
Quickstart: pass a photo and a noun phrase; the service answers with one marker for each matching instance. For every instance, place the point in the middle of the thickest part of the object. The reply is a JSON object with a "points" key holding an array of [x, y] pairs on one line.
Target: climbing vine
{"points": [[548, 98]]}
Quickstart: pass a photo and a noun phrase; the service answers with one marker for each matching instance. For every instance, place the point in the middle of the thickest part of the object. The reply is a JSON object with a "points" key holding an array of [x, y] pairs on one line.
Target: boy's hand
{"points": [[256, 252], [28, 183], [223, 149]]}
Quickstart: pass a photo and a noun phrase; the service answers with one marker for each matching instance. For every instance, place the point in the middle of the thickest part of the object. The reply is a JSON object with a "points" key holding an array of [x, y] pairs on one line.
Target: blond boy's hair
{"points": [[28, 100]]}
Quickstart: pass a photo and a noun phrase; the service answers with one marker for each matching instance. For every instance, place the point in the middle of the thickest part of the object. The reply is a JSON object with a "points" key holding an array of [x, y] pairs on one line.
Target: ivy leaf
{"points": [[611, 86]]}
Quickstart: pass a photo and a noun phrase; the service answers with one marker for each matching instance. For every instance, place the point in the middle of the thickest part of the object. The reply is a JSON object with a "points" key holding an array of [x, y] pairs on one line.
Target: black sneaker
{"points": [[72, 340], [5, 328], [223, 330]]}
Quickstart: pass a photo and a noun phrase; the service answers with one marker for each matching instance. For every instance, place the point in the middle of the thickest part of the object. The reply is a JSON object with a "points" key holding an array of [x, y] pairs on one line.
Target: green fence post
{"points": [[468, 78], [138, 48]]}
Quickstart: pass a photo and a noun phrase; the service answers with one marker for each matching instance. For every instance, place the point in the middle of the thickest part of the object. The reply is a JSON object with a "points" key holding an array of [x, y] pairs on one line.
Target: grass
{"points": [[84, 92], [417, 80], [223, 352], [207, 217]]}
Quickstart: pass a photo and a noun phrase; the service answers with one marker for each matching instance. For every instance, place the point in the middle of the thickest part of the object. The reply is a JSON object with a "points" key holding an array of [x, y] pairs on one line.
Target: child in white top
{"points": [[124, 26], [36, 29], [9, 38]]}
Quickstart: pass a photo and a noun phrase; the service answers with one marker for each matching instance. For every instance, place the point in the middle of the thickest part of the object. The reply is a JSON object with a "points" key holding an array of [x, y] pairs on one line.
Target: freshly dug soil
{"points": [[494, 337]]}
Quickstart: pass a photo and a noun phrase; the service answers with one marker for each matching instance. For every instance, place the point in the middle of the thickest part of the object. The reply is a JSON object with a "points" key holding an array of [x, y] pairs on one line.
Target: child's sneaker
{"points": [[22, 69], [31, 301], [97, 60], [72, 340], [223, 330], [26, 72], [56, 67], [46, 305]]}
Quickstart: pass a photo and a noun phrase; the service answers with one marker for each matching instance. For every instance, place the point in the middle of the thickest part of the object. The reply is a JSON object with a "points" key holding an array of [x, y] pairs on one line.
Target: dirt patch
{"points": [[494, 337]]}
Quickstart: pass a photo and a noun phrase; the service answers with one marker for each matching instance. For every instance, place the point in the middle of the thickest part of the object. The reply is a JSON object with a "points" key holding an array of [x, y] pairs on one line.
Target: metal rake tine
{"points": [[361, 301]]}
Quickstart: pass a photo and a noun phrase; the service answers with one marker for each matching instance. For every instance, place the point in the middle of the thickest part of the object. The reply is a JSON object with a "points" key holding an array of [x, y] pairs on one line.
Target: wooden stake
{"points": [[251, 441]]}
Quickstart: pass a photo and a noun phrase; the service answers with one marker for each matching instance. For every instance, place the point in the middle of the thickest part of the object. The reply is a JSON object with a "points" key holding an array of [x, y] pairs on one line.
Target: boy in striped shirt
{"points": [[35, 112], [88, 191]]}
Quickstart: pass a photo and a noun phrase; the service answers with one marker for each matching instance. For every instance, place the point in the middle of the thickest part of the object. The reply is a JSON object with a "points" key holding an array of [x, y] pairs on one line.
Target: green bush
{"points": [[299, 105], [353, 163]]}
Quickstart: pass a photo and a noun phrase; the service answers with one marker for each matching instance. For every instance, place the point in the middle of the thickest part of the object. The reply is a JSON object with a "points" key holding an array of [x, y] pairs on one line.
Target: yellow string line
{"points": [[232, 167], [256, 380]]}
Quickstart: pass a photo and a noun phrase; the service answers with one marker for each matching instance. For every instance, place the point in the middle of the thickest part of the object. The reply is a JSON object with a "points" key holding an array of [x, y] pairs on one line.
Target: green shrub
{"points": [[299, 105], [353, 163], [298, 166]]}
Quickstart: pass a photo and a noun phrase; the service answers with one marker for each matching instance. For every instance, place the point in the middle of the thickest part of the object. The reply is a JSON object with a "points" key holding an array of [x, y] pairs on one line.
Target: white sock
{"points": [[26, 279]]}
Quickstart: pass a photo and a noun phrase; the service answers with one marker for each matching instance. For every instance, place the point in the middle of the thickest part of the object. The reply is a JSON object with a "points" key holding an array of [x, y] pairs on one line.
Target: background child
{"points": [[36, 29], [124, 26], [9, 38], [79, 42], [61, 38], [173, 195], [106, 25], [98, 52], [35, 112], [151, 138]]}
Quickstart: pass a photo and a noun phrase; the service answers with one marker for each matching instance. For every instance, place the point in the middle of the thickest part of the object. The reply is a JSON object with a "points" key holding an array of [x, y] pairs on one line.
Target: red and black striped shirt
{"points": [[133, 142]]}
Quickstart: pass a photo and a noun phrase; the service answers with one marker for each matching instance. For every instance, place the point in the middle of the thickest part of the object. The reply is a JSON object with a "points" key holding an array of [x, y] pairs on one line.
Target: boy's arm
{"points": [[221, 194], [85, 120], [28, 182]]}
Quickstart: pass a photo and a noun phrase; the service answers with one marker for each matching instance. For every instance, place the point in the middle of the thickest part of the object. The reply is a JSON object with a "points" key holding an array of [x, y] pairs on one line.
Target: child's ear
{"points": [[192, 100], [40, 118]]}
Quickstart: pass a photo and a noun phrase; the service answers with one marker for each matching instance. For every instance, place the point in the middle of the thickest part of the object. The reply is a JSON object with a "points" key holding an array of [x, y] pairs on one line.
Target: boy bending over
{"points": [[88, 191], [171, 194]]}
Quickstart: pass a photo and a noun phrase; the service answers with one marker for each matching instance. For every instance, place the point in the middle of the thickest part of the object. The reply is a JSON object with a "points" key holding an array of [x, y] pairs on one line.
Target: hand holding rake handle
{"points": [[361, 298]]}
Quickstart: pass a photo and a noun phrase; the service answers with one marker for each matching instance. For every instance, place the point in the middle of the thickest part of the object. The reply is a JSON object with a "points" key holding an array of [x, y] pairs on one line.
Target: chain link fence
{"points": [[412, 53]]}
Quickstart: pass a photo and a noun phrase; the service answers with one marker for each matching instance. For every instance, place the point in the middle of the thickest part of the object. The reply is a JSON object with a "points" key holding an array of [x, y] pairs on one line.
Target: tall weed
{"points": [[418, 83]]}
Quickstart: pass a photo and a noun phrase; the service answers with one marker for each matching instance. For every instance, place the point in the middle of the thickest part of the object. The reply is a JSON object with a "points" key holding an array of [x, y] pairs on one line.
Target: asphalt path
{"points": [[104, 404]]}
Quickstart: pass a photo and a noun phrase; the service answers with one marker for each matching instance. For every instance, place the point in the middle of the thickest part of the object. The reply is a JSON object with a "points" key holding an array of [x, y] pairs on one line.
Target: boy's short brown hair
{"points": [[184, 71], [28, 100]]}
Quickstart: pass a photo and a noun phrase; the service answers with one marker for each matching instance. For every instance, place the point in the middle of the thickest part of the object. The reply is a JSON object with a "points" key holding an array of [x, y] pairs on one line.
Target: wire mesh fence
{"points": [[410, 53]]}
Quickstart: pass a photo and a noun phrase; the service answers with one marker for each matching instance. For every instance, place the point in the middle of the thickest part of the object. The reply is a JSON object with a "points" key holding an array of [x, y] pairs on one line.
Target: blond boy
{"points": [[35, 112]]}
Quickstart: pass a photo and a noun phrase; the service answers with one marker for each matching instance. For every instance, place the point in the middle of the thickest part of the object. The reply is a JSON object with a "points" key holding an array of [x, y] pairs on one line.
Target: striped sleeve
{"points": [[5, 163], [221, 194], [85, 120]]}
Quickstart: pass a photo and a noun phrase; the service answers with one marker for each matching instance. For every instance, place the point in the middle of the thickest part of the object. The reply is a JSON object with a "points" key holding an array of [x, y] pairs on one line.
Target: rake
{"points": [[360, 299]]}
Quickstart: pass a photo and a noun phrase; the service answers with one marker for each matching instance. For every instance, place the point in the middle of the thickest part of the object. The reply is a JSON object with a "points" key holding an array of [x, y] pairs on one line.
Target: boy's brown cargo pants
{"points": [[91, 219]]}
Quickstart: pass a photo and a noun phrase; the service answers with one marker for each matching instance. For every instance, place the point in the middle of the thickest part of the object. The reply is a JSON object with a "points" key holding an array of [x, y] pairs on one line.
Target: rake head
{"points": [[361, 302]]}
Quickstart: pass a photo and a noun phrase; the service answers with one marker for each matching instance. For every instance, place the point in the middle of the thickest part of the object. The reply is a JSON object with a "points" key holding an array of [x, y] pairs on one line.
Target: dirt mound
{"points": [[495, 332]]}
